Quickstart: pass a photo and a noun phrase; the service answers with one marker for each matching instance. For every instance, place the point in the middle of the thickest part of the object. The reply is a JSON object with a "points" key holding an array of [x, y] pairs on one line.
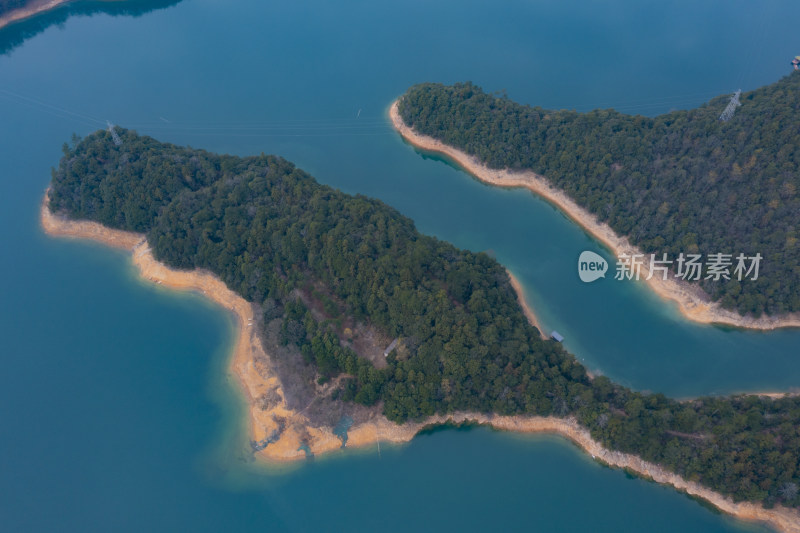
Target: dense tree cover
{"points": [[270, 231], [680, 182]]}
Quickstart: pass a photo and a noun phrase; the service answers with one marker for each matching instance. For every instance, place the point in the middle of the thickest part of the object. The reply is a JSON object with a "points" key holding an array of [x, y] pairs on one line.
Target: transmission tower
{"points": [[730, 109], [113, 133]]}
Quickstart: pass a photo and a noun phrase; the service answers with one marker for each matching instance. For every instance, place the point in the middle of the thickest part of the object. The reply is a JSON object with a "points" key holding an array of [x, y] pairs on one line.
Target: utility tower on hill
{"points": [[730, 109], [113, 133]]}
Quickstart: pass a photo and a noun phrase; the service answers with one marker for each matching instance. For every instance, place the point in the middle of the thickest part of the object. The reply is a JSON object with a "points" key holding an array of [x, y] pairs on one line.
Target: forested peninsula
{"points": [[683, 182], [361, 315]]}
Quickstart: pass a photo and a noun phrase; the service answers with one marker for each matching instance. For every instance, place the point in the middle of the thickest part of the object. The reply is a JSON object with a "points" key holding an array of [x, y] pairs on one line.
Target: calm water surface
{"points": [[116, 409]]}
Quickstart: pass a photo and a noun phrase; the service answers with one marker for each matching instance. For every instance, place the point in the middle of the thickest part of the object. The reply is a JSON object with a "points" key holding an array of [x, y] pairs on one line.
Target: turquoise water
{"points": [[116, 408]]}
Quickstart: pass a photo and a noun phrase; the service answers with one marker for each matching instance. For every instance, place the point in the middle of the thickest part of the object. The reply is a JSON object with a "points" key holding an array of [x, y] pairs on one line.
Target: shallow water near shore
{"points": [[118, 410]]}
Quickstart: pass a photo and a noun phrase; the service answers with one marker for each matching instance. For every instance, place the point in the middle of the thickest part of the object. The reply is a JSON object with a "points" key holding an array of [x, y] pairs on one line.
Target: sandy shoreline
{"points": [[692, 301], [29, 11], [526, 309], [251, 365]]}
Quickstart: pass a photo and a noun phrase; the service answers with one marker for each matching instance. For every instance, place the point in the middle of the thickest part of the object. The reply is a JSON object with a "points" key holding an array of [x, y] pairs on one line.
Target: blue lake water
{"points": [[116, 406]]}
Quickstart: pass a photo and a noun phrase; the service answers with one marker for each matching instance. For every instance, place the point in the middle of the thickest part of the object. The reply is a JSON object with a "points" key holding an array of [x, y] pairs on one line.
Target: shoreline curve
{"points": [[693, 303], [251, 366], [29, 11], [527, 310]]}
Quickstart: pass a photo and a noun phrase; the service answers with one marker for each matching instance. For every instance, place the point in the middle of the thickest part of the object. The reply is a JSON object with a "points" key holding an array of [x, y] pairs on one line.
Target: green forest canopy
{"points": [[268, 230], [680, 182]]}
